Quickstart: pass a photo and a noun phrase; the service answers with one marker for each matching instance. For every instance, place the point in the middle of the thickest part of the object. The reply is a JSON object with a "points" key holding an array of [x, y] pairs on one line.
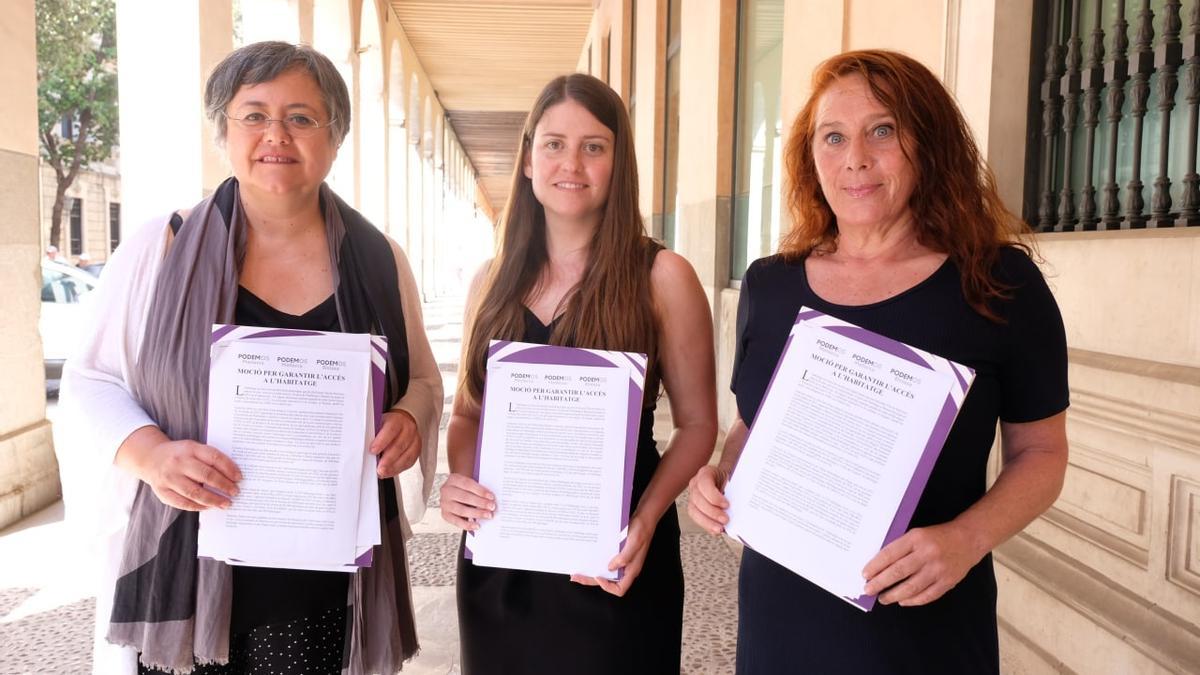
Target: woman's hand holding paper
{"points": [[920, 566], [397, 445], [180, 472], [632, 557], [706, 499], [465, 502]]}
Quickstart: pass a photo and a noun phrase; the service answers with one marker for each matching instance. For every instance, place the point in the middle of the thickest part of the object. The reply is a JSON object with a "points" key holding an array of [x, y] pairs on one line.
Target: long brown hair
{"points": [[955, 205], [610, 307]]}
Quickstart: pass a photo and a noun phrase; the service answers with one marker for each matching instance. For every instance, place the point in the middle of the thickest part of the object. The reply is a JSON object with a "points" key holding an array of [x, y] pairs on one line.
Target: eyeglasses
{"points": [[296, 124]]}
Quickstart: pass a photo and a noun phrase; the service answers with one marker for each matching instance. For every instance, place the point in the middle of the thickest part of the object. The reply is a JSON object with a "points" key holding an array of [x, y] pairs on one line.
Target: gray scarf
{"points": [[171, 606]]}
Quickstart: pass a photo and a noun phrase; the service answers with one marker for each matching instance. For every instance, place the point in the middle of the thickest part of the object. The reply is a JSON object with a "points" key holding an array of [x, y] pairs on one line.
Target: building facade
{"points": [[1108, 580], [91, 220]]}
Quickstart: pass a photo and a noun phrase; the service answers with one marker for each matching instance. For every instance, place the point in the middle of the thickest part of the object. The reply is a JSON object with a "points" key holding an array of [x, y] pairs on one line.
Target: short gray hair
{"points": [[264, 61]]}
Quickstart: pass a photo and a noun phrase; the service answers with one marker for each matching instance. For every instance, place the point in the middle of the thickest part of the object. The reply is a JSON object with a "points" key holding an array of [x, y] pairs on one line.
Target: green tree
{"points": [[77, 82]]}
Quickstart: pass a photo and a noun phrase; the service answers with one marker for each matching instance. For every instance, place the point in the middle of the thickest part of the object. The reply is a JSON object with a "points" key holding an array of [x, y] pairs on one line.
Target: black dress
{"points": [[283, 621], [529, 623], [786, 624]]}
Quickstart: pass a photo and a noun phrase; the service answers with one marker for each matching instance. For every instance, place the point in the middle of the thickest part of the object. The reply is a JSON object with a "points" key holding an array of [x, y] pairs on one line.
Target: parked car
{"points": [[64, 289]]}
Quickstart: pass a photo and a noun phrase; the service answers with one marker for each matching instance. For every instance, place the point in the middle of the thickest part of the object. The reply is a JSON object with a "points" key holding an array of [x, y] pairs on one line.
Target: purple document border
{"points": [[573, 356], [378, 343], [937, 437]]}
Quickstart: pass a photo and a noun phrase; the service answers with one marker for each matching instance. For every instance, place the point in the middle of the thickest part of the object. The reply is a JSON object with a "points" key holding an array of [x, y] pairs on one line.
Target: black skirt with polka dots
{"points": [[305, 646]]}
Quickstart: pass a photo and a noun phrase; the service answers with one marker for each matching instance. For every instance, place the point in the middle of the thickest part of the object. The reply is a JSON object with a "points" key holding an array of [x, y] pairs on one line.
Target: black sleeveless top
{"points": [[264, 596], [535, 623]]}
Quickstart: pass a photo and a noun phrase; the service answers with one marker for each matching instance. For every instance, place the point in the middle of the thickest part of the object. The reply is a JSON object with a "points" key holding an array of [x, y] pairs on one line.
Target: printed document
{"points": [[840, 450], [557, 441], [295, 410]]}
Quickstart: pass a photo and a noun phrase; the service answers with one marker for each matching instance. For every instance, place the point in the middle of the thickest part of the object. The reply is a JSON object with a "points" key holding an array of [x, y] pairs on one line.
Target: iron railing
{"points": [[1096, 106]]}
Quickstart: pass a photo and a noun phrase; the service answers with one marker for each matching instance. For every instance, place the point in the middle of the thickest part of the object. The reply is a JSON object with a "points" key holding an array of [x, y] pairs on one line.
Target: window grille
{"points": [[1117, 142]]}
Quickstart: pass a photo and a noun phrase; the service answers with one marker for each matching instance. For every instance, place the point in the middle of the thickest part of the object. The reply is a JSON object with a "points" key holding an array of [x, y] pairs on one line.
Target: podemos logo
{"points": [[907, 378], [865, 362], [829, 347]]}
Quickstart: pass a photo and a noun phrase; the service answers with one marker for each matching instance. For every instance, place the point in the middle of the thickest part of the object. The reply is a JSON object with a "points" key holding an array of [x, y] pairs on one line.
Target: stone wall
{"points": [[28, 470]]}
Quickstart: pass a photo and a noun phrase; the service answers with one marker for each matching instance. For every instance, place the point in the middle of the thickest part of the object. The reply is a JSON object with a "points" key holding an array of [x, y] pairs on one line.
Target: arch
{"points": [[429, 201], [414, 110], [372, 117], [439, 140], [427, 129], [333, 37], [397, 100], [397, 144], [416, 180]]}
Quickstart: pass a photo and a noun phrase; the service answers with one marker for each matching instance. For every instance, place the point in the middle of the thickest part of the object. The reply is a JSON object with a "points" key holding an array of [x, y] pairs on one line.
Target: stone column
{"points": [[168, 159], [272, 20], [702, 231], [28, 470]]}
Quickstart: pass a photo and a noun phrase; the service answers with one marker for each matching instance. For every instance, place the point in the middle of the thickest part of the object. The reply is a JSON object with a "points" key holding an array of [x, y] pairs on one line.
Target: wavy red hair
{"points": [[955, 205]]}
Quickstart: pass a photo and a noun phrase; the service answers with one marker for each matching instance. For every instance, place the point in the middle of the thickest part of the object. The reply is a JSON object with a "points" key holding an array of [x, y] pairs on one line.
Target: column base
{"points": [[28, 472]]}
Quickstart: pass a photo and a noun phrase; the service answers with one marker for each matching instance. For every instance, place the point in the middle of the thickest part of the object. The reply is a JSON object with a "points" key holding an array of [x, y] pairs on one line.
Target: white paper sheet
{"points": [[557, 441], [842, 443], [294, 410]]}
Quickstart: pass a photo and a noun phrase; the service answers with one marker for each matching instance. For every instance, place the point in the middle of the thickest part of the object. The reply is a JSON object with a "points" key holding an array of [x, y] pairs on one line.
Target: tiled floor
{"points": [[46, 611]]}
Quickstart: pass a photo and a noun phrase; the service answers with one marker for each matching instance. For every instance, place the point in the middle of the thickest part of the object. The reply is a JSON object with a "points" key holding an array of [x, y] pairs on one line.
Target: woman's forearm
{"points": [[735, 440], [460, 444], [1034, 467], [134, 455], [1023, 491], [688, 449]]}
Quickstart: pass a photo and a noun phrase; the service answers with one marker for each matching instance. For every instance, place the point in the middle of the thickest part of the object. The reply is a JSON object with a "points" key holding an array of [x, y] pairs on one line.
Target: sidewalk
{"points": [[46, 610]]}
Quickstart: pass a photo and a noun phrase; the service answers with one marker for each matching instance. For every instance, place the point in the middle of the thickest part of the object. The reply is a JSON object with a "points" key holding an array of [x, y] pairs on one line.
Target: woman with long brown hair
{"points": [[898, 228], [573, 267]]}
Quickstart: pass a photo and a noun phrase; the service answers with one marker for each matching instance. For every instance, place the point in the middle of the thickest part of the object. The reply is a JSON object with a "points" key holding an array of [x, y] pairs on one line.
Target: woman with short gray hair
{"points": [[274, 247], [263, 62]]}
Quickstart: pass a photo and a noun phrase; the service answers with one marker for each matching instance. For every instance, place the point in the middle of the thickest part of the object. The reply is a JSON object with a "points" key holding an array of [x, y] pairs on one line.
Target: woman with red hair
{"points": [[898, 228]]}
